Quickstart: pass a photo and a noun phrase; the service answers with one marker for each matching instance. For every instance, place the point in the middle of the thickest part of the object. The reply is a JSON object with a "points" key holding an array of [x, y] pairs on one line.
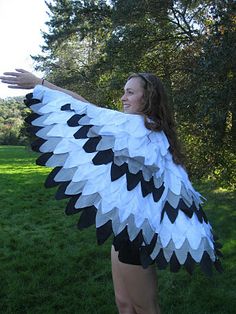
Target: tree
{"points": [[12, 115], [92, 46]]}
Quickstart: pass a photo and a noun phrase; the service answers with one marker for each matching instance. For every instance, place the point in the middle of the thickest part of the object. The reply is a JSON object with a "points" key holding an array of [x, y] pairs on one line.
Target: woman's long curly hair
{"points": [[157, 114]]}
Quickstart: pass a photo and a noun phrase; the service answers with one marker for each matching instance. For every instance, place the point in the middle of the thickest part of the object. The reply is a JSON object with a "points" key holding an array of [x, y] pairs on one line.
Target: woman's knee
{"points": [[147, 309], [148, 304], [124, 306]]}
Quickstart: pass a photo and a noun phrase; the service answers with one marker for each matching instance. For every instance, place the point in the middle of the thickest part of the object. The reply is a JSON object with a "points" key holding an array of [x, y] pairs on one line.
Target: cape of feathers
{"points": [[122, 177]]}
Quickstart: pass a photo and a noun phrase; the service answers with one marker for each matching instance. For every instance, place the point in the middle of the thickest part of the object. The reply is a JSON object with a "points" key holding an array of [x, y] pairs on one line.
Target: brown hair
{"points": [[157, 114]]}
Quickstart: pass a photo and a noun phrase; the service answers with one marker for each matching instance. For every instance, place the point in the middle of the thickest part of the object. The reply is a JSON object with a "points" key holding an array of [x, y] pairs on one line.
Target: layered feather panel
{"points": [[121, 177]]}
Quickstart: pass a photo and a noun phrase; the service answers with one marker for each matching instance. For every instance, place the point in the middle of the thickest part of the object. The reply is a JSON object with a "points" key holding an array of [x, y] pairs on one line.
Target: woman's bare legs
{"points": [[135, 287], [123, 301]]}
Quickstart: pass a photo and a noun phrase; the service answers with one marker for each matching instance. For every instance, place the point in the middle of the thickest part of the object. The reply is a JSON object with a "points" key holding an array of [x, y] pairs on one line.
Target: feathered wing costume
{"points": [[121, 177]]}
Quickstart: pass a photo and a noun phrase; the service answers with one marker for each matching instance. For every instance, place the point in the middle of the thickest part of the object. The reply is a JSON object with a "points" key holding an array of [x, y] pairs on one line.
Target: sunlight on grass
{"points": [[220, 190], [23, 169]]}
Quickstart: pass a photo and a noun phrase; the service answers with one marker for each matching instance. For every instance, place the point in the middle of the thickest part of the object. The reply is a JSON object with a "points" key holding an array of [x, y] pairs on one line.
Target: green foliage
{"points": [[48, 266], [203, 160], [93, 46], [12, 127]]}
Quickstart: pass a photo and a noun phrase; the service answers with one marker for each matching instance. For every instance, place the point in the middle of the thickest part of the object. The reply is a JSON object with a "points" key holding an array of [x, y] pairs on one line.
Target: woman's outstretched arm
{"points": [[23, 79]]}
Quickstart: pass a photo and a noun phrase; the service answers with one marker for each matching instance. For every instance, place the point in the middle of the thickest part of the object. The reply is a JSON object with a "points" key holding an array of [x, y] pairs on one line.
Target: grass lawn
{"points": [[48, 266]]}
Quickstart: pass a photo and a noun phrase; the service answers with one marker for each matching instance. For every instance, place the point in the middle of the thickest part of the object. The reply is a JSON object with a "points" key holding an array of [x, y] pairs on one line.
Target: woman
{"points": [[130, 181]]}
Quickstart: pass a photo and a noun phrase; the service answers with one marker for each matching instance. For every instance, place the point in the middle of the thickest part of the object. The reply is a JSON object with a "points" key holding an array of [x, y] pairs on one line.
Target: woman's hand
{"points": [[21, 79], [26, 80]]}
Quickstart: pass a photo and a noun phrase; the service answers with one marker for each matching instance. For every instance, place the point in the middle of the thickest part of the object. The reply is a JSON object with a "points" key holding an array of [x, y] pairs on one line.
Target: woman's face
{"points": [[132, 99]]}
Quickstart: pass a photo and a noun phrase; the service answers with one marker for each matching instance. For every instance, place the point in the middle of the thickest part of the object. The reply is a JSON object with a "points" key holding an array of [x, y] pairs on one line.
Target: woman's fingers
{"points": [[13, 81], [12, 74], [20, 79], [22, 71], [8, 79], [16, 74], [16, 87]]}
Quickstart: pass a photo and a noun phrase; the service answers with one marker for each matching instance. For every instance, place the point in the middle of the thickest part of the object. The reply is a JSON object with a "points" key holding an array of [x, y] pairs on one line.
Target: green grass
{"points": [[48, 266]]}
